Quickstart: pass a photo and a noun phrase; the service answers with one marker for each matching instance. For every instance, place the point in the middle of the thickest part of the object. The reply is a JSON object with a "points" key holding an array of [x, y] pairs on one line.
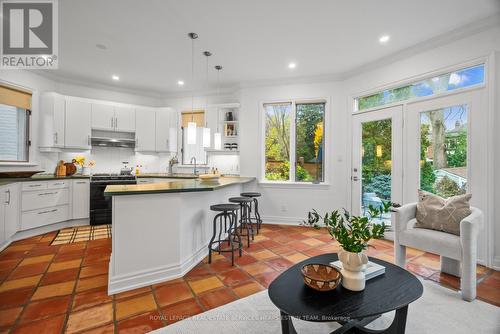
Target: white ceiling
{"points": [[148, 47]]}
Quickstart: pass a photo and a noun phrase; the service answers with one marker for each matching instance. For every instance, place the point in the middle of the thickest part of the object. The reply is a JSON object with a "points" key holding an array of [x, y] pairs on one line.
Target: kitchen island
{"points": [[161, 230]]}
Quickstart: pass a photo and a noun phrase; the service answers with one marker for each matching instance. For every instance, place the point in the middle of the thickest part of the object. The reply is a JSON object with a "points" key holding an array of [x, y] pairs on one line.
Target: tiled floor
{"points": [[54, 289]]}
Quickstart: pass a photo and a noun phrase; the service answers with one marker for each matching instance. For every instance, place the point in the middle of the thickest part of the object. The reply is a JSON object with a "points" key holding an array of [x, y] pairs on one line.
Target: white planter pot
{"points": [[353, 270]]}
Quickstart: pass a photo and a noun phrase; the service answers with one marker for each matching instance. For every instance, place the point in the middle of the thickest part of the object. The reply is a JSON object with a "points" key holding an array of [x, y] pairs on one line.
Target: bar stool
{"points": [[253, 196], [227, 212], [244, 218]]}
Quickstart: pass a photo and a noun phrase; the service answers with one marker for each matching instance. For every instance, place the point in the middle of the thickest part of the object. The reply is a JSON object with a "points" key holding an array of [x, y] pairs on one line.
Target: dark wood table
{"points": [[393, 290]]}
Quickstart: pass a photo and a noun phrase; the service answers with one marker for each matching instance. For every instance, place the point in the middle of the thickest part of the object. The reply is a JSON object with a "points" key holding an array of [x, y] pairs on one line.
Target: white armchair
{"points": [[455, 251]]}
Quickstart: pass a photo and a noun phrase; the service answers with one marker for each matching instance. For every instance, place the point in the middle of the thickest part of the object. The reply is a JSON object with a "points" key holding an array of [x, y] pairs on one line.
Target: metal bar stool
{"points": [[255, 202], [244, 216], [227, 212]]}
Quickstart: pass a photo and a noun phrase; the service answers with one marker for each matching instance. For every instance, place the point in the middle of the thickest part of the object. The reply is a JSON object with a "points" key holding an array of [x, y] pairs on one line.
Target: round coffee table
{"points": [[393, 290]]}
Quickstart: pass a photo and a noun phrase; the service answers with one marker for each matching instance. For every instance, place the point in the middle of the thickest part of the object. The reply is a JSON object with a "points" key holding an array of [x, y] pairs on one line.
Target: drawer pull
{"points": [[34, 185], [81, 182], [59, 183], [49, 211], [43, 194]]}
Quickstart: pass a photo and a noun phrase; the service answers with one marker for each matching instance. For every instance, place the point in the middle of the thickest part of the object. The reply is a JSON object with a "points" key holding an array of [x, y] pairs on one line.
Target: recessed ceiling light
{"points": [[115, 77], [292, 65], [180, 83], [101, 46], [384, 39]]}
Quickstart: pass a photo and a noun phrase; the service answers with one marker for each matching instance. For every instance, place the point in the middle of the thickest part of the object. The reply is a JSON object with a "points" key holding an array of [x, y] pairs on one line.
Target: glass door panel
{"points": [[377, 160], [376, 165], [443, 150]]}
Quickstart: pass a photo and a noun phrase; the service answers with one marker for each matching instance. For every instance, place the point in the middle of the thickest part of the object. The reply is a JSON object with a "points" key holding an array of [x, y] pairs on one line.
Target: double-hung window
{"points": [[15, 114], [294, 143]]}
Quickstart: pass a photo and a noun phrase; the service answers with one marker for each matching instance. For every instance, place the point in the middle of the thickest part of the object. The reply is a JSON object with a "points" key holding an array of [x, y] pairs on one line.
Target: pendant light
{"points": [[217, 135], [191, 128], [206, 129]]}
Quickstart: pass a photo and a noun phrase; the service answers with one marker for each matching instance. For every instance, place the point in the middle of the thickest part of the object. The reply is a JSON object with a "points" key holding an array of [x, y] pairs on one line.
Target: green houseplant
{"points": [[353, 234]]}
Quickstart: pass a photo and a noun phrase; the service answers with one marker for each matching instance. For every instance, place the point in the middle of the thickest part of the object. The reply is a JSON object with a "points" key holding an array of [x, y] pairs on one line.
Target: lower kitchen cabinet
{"points": [[81, 199], [9, 211]]}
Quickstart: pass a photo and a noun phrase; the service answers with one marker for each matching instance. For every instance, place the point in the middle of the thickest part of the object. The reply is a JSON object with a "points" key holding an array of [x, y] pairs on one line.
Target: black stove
{"points": [[101, 206]]}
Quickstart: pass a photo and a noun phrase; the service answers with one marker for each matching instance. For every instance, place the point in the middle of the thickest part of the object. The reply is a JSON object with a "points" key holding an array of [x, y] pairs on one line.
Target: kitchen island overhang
{"points": [[160, 231]]}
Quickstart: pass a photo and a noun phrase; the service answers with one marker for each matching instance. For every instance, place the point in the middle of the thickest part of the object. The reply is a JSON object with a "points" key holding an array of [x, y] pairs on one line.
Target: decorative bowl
{"points": [[321, 277]]}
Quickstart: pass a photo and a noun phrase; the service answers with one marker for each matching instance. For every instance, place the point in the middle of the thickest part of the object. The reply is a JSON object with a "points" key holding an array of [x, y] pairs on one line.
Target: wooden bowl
{"points": [[321, 277]]}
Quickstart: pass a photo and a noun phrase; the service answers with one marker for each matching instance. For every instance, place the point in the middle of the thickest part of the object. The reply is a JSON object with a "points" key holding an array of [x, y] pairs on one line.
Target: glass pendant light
{"points": [[217, 135], [191, 128], [206, 129]]}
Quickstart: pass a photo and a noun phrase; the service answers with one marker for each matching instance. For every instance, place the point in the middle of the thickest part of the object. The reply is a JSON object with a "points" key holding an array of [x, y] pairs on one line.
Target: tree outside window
{"points": [[306, 124]]}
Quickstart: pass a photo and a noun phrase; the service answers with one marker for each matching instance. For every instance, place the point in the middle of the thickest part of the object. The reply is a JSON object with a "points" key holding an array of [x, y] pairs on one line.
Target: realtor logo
{"points": [[29, 34]]}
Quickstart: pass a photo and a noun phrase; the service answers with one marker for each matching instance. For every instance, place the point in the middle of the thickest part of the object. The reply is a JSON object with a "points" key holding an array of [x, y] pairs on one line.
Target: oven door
{"points": [[100, 206]]}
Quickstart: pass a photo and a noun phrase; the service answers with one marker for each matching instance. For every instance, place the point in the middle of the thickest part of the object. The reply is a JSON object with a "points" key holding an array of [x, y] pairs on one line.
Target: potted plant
{"points": [[353, 234]]}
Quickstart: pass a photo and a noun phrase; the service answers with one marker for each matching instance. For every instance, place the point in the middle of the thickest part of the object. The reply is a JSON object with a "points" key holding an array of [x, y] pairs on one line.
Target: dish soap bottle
{"points": [[137, 171]]}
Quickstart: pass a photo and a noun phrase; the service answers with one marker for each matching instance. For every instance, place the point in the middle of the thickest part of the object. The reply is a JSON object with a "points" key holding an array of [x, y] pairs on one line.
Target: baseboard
{"points": [[139, 279], [44, 229], [496, 263], [278, 220]]}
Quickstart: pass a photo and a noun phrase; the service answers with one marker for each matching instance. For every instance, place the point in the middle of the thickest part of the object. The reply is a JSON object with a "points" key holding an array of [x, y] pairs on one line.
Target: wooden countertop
{"points": [[189, 185]]}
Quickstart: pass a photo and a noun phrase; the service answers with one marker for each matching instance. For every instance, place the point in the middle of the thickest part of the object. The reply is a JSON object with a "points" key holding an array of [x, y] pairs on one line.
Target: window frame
{"points": [[424, 76], [182, 150], [293, 134], [27, 147]]}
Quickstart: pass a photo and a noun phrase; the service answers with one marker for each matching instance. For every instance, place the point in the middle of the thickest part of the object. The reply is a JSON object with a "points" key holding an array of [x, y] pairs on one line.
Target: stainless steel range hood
{"points": [[113, 142]]}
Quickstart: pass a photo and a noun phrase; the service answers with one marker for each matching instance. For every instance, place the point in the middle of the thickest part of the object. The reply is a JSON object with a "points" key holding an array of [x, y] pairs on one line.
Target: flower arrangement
{"points": [[352, 232], [79, 160]]}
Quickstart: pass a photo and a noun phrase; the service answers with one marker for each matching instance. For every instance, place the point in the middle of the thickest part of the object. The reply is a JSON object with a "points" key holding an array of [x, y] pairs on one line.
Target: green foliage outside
{"points": [[278, 118], [446, 187]]}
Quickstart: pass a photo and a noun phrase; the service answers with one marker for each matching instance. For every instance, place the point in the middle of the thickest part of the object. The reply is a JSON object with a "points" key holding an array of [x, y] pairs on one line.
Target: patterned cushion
{"points": [[436, 213]]}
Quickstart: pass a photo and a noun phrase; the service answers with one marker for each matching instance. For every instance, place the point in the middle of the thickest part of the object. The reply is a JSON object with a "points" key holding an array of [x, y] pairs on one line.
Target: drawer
{"points": [[45, 216], [58, 184], [44, 198], [34, 185]]}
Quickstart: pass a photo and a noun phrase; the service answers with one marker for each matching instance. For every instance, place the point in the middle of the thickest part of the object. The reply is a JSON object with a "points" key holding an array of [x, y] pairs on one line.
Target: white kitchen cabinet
{"points": [[11, 209], [145, 139], [103, 117], [166, 130], [52, 121], [78, 124], [124, 119], [81, 199]]}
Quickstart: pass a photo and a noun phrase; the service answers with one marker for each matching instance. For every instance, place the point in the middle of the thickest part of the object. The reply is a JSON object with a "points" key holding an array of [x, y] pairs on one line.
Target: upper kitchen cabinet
{"points": [[145, 124], [103, 117], [110, 118], [125, 119], [166, 130], [52, 121], [78, 124]]}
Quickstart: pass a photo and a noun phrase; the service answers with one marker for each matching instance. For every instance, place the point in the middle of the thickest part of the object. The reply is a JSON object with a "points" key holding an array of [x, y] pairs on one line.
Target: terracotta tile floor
{"points": [[55, 289]]}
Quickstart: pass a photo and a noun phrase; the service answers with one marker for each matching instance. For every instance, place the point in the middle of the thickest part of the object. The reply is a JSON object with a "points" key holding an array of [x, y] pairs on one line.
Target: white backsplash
{"points": [[109, 160]]}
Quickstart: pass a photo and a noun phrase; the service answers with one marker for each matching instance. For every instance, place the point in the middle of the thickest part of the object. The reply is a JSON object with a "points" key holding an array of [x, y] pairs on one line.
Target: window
{"points": [[443, 83], [14, 125], [195, 150], [300, 159]]}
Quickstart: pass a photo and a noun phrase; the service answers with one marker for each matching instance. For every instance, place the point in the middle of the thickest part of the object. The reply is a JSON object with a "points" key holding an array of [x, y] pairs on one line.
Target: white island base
{"points": [[160, 236]]}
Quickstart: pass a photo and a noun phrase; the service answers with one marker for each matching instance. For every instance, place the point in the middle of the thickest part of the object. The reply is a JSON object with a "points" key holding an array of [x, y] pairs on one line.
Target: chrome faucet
{"points": [[194, 158], [171, 164]]}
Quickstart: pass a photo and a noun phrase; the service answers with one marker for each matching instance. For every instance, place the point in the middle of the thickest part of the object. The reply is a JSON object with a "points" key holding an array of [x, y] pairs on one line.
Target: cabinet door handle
{"points": [[55, 137], [34, 185], [48, 211], [81, 182], [8, 201], [43, 194], [116, 122], [58, 183], [112, 126], [88, 140]]}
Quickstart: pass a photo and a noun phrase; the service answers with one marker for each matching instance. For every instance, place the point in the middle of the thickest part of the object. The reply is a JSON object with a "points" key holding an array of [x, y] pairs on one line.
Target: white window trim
{"points": [[326, 156]]}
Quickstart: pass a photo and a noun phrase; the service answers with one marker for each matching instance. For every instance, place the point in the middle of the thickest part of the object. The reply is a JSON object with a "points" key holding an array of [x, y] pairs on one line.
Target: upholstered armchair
{"points": [[458, 253]]}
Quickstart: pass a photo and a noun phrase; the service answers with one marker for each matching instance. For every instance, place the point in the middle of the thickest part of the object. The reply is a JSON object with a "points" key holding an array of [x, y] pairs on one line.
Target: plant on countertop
{"points": [[352, 232]]}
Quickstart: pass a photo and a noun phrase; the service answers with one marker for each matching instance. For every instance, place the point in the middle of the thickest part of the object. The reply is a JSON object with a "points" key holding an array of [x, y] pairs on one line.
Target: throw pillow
{"points": [[437, 213]]}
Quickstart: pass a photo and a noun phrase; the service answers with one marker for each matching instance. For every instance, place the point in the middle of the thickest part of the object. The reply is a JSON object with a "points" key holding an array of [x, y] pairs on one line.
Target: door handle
{"points": [[8, 201]]}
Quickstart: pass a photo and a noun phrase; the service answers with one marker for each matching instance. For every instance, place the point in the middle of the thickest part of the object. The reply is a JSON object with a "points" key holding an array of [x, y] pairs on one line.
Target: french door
{"points": [[377, 160]]}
